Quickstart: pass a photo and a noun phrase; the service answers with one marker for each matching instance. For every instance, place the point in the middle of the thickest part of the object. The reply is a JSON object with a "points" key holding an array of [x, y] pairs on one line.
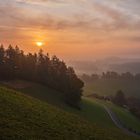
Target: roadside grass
{"points": [[128, 119], [109, 87]]}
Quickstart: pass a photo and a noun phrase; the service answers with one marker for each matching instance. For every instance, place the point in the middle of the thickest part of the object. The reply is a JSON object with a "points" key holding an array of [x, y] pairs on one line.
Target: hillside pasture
{"points": [[24, 117]]}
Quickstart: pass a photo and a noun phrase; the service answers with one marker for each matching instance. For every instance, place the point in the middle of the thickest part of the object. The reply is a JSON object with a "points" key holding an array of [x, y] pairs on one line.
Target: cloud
{"points": [[108, 17], [114, 17], [28, 17], [108, 11], [47, 22], [132, 38], [41, 2]]}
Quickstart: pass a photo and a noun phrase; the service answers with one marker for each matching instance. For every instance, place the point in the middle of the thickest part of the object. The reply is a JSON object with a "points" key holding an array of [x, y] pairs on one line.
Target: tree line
{"points": [[111, 75], [41, 68]]}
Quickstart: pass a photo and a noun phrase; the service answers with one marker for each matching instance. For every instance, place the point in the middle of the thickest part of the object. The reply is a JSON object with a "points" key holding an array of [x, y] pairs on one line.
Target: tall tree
{"points": [[52, 72], [119, 98]]}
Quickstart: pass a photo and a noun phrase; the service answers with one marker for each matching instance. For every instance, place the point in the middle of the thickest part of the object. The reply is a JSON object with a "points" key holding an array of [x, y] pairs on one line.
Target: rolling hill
{"points": [[90, 110], [24, 117]]}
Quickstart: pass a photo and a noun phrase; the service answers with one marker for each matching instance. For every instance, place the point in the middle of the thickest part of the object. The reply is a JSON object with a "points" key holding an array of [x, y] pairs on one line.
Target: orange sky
{"points": [[81, 29]]}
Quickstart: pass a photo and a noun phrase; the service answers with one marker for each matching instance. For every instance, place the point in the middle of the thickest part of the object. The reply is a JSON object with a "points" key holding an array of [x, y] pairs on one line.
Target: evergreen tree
{"points": [[14, 64], [119, 98]]}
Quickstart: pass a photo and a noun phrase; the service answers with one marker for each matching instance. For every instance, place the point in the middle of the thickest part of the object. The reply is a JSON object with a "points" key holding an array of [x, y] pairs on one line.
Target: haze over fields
{"points": [[70, 69], [98, 66]]}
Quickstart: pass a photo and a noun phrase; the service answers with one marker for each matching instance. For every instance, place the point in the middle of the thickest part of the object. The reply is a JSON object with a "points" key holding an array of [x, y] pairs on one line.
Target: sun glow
{"points": [[39, 44]]}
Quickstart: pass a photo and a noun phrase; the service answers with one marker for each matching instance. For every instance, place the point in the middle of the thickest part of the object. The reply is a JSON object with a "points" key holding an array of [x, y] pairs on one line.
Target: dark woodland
{"points": [[40, 68]]}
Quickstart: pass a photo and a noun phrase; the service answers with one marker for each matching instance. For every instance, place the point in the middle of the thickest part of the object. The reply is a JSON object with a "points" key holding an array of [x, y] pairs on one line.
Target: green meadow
{"points": [[24, 117], [92, 110], [128, 119]]}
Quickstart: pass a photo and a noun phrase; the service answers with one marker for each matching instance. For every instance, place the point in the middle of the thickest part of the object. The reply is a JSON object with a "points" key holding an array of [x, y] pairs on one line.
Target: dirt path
{"points": [[118, 123]]}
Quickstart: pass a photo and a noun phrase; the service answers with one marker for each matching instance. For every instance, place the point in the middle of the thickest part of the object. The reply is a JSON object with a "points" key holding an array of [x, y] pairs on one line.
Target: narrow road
{"points": [[118, 123]]}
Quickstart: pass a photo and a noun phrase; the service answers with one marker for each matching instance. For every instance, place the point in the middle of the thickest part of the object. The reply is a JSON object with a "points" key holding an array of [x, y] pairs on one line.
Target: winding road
{"points": [[118, 123]]}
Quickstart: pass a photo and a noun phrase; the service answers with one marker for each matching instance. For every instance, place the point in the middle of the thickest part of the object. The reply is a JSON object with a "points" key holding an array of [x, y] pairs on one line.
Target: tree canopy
{"points": [[119, 98], [39, 67]]}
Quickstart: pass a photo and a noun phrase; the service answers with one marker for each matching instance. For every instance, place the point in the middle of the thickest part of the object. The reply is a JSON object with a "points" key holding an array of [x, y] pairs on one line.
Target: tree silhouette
{"points": [[52, 72], [119, 98]]}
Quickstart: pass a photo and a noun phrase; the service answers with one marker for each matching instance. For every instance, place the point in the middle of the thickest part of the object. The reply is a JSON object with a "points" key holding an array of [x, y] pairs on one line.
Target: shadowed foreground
{"points": [[23, 117]]}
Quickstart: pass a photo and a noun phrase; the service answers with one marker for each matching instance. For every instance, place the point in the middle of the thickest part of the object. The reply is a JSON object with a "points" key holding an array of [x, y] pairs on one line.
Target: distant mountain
{"points": [[84, 66], [108, 64], [133, 67]]}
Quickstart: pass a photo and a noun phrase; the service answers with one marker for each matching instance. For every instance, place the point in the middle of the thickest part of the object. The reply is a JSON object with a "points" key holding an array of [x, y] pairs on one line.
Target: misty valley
{"points": [[69, 69]]}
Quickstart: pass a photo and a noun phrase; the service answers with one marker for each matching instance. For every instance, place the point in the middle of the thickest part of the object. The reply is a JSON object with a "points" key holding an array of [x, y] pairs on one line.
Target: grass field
{"points": [[90, 110], [44, 93], [23, 117], [94, 112], [126, 117], [110, 87]]}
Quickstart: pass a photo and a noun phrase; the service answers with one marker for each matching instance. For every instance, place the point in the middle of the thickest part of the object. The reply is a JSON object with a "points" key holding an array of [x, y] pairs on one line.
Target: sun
{"points": [[39, 44]]}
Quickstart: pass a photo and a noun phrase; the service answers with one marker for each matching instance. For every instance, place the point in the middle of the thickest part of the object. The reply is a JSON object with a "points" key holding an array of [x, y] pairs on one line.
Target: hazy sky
{"points": [[73, 29]]}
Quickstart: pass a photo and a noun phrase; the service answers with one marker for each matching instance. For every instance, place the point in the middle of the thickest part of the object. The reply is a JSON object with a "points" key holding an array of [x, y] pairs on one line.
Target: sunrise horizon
{"points": [[93, 29], [69, 69]]}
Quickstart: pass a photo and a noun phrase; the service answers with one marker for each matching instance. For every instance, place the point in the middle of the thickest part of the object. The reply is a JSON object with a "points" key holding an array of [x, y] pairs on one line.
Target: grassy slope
{"points": [[44, 93], [109, 87], [94, 112], [126, 117], [91, 110], [23, 117], [122, 114]]}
